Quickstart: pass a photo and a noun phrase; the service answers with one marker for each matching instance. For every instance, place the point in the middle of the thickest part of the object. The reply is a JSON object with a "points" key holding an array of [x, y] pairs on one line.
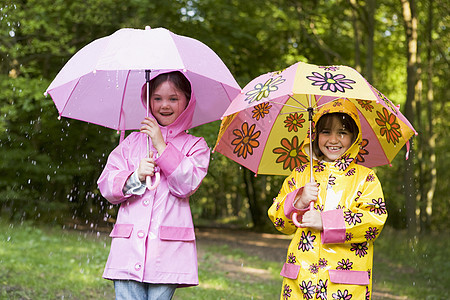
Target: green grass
{"points": [[38, 262], [48, 263], [226, 273], [417, 268]]}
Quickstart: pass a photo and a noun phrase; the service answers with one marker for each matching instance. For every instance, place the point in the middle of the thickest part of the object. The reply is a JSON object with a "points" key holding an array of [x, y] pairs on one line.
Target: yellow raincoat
{"points": [[335, 263]]}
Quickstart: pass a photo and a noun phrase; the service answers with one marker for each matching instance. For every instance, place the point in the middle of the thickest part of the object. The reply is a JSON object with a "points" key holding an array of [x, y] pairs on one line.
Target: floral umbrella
{"points": [[264, 126]]}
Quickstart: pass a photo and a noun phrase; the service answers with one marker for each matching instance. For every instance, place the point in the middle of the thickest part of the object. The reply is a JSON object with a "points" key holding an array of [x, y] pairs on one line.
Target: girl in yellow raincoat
{"points": [[330, 255]]}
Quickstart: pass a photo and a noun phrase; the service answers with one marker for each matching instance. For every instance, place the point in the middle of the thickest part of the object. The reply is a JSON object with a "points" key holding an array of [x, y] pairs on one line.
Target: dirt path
{"points": [[266, 246]]}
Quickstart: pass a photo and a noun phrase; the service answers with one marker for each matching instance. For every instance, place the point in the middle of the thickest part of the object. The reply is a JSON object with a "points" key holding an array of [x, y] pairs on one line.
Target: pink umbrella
{"points": [[102, 82]]}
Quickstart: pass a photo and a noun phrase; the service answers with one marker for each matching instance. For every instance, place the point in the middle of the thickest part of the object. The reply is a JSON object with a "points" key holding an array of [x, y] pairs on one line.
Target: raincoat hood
{"points": [[338, 106], [184, 120]]}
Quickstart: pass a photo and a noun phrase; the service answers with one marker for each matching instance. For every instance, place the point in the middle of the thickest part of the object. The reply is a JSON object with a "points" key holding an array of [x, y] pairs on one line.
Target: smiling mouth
{"points": [[166, 114], [334, 148]]}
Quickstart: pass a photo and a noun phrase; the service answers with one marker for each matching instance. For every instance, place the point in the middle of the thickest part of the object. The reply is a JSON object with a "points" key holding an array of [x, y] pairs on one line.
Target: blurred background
{"points": [[49, 167]]}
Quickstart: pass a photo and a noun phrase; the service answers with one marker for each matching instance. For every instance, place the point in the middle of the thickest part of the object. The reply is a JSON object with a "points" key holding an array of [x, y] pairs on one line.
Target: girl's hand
{"points": [[312, 219], [146, 167], [309, 193], [151, 128]]}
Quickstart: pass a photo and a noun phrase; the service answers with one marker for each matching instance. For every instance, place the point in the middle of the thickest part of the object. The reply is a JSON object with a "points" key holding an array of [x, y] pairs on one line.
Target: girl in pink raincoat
{"points": [[331, 253], [153, 248]]}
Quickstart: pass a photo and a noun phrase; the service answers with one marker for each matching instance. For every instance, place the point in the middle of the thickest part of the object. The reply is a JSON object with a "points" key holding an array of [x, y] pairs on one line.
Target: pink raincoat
{"points": [[153, 239]]}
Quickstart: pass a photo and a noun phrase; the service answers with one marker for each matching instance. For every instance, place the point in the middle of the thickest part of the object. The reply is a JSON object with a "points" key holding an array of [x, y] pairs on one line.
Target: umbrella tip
{"points": [[147, 27], [45, 94]]}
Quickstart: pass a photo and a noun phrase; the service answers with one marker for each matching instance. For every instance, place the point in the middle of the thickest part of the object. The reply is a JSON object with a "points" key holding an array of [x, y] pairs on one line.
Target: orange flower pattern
{"points": [[362, 151], [294, 121], [290, 154], [389, 126], [261, 110], [246, 140], [365, 104]]}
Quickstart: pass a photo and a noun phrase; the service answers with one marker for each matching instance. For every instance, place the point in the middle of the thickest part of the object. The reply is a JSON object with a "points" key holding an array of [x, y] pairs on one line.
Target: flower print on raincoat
{"points": [[153, 239], [335, 263]]}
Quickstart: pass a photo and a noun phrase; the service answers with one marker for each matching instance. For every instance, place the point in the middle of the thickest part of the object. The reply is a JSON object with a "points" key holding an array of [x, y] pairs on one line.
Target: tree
{"points": [[410, 22], [50, 166]]}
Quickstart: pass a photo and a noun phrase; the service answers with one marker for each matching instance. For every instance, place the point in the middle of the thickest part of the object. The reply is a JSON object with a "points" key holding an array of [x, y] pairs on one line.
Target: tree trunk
{"points": [[431, 135], [252, 193], [410, 21], [356, 35], [371, 9]]}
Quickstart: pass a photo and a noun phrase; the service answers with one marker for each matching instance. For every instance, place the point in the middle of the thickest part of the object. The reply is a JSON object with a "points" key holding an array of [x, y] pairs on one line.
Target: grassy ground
{"points": [[51, 263]]}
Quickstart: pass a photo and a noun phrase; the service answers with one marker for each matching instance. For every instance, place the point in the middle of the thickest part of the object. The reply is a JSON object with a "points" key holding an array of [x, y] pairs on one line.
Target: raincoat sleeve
{"points": [[115, 174], [280, 213], [184, 172], [361, 222]]}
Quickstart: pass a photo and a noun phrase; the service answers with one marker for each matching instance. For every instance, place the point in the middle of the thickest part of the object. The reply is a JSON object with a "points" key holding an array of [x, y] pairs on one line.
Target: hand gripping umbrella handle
{"points": [[295, 215], [148, 181]]}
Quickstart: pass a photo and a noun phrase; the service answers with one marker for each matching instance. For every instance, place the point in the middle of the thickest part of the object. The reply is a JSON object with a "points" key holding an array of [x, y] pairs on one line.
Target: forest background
{"points": [[49, 167]]}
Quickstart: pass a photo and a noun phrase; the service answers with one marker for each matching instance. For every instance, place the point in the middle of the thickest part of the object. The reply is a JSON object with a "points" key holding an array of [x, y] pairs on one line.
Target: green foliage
{"points": [[49, 167]]}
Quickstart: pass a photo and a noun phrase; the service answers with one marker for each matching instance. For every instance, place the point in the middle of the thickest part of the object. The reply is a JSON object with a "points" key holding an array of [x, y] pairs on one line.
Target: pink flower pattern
{"points": [[352, 218], [342, 295], [307, 289], [331, 82], [360, 249], [306, 241], [378, 206], [344, 265], [322, 290]]}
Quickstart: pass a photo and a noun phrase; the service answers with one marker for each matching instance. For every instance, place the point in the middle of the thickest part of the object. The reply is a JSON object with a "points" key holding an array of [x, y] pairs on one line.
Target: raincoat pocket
{"points": [[177, 253], [121, 231], [171, 233], [349, 277], [290, 271]]}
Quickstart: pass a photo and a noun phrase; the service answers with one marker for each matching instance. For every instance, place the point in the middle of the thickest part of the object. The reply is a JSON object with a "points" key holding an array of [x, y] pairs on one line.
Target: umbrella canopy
{"points": [[102, 82], [263, 128]]}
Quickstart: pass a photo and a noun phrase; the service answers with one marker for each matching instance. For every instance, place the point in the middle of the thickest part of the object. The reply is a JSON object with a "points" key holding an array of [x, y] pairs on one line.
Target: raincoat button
{"points": [[145, 202], [138, 266], [141, 234]]}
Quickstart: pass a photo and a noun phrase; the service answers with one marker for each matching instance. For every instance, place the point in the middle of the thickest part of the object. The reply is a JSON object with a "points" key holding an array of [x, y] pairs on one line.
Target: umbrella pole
{"points": [[310, 116], [147, 82], [148, 181]]}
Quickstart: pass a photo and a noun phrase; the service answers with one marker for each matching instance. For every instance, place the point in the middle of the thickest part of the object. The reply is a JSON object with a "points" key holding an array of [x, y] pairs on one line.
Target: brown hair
{"points": [[326, 120], [177, 78]]}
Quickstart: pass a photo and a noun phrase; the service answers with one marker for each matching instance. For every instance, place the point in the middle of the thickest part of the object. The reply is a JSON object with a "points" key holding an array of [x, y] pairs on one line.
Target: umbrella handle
{"points": [[148, 181], [295, 215]]}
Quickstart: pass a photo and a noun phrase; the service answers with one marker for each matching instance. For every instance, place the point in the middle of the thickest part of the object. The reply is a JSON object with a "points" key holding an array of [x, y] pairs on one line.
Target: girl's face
{"points": [[334, 141], [167, 103]]}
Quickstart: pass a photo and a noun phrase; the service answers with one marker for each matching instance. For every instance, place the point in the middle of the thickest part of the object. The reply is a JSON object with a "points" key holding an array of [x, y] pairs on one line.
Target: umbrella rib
{"points": [[68, 98], [123, 99], [288, 105], [298, 102]]}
